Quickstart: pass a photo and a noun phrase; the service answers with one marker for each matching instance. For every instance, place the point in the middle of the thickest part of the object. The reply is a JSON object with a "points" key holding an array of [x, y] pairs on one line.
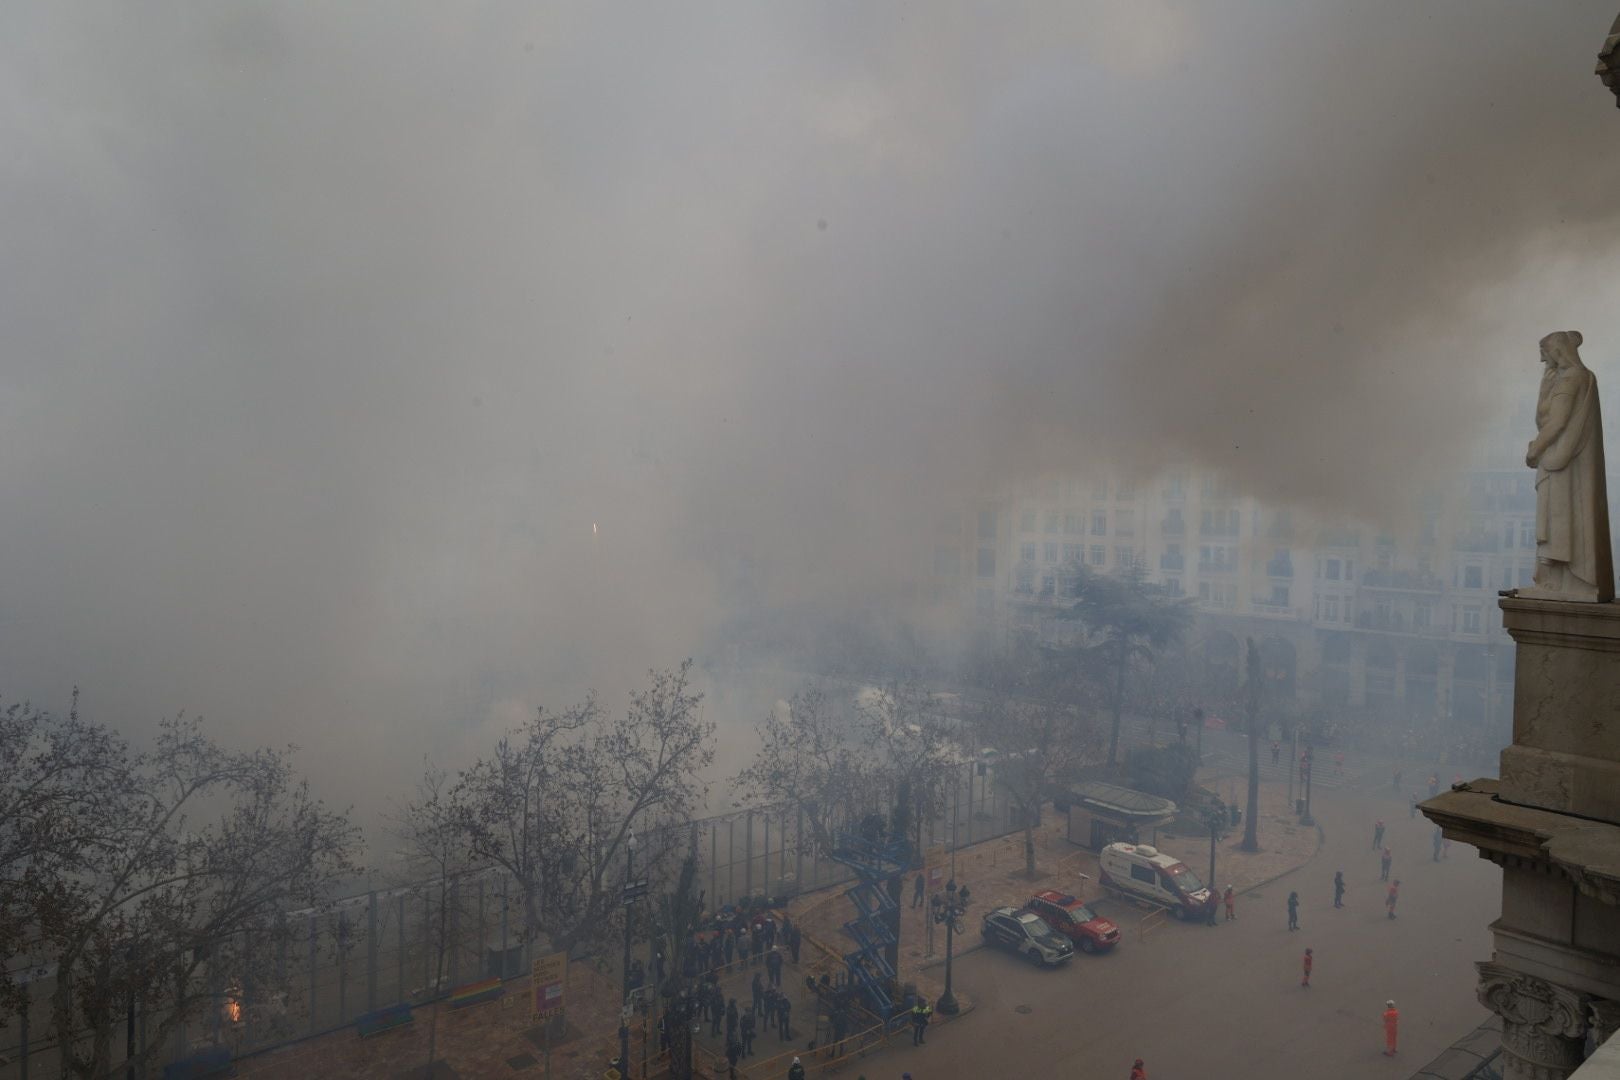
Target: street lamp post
{"points": [[1198, 718], [624, 1011], [947, 909], [1307, 819], [1214, 832]]}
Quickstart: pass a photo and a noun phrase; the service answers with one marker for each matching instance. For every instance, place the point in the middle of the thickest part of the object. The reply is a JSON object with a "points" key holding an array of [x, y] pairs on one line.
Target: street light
{"points": [[1307, 819], [624, 1011], [1215, 821], [948, 909]]}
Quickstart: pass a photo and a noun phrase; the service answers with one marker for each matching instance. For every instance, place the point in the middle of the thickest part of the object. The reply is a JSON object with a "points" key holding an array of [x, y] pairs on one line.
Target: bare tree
{"points": [[1041, 737], [808, 760], [436, 859], [186, 855], [54, 775], [913, 747], [1252, 690], [556, 803]]}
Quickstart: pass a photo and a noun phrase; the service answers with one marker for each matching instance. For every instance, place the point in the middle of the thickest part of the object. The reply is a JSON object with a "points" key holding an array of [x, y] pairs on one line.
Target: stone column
{"points": [[1543, 1025]]}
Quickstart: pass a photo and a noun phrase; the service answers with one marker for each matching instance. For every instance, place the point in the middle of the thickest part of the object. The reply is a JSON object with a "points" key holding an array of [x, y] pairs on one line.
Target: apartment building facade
{"points": [[1353, 617]]}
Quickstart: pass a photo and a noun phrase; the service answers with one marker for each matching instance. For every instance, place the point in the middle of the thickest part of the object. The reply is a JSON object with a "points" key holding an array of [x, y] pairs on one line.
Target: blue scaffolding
{"points": [[874, 863]]}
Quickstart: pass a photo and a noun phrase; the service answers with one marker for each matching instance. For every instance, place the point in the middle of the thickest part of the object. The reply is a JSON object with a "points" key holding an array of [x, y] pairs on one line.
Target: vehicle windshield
{"points": [[1036, 926], [1082, 914], [1185, 879]]}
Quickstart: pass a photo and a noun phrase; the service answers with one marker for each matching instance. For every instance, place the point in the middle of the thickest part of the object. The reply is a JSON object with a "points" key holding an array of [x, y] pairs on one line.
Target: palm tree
{"points": [[1126, 620]]}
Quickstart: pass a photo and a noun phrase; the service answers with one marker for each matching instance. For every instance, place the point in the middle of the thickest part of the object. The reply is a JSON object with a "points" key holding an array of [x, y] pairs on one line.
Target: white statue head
{"points": [[1562, 348]]}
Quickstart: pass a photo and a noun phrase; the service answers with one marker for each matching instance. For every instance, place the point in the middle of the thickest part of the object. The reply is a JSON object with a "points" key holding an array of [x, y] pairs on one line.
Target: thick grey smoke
{"points": [[373, 372]]}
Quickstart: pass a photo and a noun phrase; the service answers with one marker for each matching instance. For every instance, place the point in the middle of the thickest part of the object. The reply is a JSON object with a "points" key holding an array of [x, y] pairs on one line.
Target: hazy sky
{"points": [[330, 330]]}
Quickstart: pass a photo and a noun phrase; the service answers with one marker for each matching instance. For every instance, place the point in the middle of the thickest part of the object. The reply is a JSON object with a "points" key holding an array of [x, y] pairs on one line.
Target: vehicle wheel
{"points": [[1178, 912], [1035, 958], [1087, 945]]}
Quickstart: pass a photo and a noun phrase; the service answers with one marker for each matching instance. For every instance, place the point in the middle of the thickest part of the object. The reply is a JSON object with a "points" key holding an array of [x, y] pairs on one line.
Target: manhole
{"points": [[522, 1061], [1026, 1009]]}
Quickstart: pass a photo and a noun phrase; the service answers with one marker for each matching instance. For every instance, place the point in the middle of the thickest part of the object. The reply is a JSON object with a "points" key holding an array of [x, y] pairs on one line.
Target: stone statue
{"points": [[1608, 65], [1573, 557]]}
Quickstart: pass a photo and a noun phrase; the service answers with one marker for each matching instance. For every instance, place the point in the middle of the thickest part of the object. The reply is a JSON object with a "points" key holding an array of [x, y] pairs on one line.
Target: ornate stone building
{"points": [[1552, 823]]}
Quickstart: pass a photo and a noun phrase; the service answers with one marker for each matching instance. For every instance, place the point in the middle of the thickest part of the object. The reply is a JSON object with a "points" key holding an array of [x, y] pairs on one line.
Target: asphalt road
{"points": [[1226, 1002]]}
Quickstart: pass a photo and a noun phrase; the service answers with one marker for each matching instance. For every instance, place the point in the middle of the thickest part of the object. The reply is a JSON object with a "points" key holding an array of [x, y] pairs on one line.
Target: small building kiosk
{"points": [[1101, 814]]}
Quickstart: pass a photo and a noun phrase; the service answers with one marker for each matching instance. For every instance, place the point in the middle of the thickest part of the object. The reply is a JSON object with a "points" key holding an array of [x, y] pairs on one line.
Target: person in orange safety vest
{"points": [[1306, 981], [1392, 1020]]}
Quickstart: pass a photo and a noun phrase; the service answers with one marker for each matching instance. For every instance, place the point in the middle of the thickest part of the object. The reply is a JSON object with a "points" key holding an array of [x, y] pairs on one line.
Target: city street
{"points": [[1227, 1002]]}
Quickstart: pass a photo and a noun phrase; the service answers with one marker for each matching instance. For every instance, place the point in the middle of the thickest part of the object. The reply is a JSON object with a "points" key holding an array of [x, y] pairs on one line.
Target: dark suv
{"points": [[1027, 934]]}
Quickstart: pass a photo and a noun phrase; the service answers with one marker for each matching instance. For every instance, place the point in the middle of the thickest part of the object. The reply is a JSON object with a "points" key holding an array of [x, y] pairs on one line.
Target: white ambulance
{"points": [[1147, 873]]}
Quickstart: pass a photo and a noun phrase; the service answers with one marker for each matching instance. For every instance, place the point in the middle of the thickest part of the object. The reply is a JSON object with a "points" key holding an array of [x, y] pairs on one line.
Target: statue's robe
{"points": [[1572, 502]]}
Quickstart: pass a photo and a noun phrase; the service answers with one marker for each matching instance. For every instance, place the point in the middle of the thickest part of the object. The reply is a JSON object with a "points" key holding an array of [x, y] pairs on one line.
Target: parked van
{"points": [[1145, 872]]}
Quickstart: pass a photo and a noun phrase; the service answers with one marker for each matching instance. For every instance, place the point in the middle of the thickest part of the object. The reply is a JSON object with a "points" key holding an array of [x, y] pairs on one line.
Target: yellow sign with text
{"points": [[549, 983]]}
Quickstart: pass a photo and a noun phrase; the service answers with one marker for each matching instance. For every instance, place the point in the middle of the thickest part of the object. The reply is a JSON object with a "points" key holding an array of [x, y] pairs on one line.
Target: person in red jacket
{"points": [[1306, 981], [1138, 1072], [1392, 1021]]}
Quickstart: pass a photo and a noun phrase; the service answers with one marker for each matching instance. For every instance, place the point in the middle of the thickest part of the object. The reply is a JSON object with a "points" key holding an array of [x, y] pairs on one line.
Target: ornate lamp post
{"points": [[948, 909], [1216, 821]]}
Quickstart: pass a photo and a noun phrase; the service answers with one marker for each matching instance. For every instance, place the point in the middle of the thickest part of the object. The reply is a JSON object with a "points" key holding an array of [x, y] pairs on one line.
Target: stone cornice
{"points": [[1562, 623], [1526, 838]]}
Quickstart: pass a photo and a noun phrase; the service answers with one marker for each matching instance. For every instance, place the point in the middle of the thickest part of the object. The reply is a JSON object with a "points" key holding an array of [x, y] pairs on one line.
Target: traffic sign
{"points": [[634, 891]]}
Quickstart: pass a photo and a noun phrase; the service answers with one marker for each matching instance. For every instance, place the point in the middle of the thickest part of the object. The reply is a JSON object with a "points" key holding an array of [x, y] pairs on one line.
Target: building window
{"points": [[1507, 535], [1173, 487], [1422, 615], [1099, 554], [1327, 608], [1471, 621], [1123, 557], [1172, 585], [987, 524], [1473, 577], [1507, 577], [1073, 524], [1125, 523], [1073, 553], [987, 562], [1052, 550], [1527, 534], [1279, 596], [1026, 552], [1099, 489], [1527, 575], [1053, 520], [1330, 569], [1173, 523], [1099, 523], [1026, 521], [1125, 490]]}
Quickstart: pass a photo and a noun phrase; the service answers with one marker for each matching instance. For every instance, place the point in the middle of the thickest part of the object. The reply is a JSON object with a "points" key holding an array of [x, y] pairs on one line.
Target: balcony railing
{"points": [[1408, 580], [1173, 527], [1172, 562], [1281, 568], [1216, 568], [1477, 542]]}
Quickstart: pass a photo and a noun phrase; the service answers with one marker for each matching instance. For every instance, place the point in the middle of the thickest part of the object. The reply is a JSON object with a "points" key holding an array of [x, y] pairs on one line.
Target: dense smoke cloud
{"points": [[376, 372]]}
